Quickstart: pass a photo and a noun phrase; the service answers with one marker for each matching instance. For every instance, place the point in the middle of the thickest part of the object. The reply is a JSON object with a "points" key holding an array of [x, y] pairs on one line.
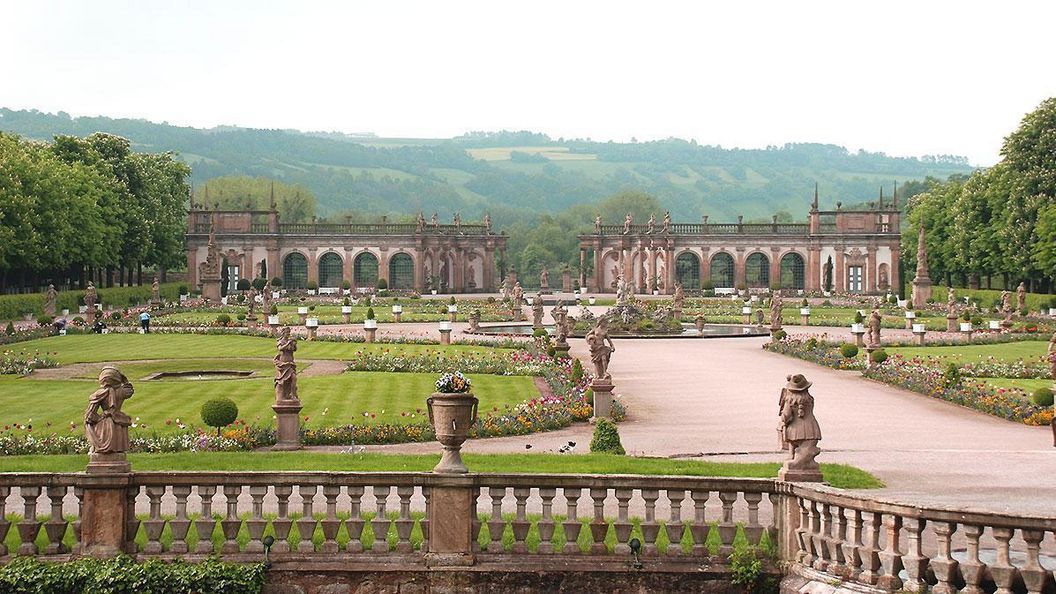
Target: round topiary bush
{"points": [[219, 412], [243, 284], [858, 317], [606, 439], [223, 319], [977, 320], [879, 356], [849, 350], [382, 284], [276, 282], [259, 283], [1042, 397]]}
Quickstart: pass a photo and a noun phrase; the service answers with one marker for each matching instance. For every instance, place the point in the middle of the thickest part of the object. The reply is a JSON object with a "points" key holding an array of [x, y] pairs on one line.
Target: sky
{"points": [[902, 77]]}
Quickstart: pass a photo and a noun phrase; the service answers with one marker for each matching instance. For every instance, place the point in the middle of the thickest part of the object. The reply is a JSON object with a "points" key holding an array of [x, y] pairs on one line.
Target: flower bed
{"points": [[22, 363], [515, 362], [816, 350]]}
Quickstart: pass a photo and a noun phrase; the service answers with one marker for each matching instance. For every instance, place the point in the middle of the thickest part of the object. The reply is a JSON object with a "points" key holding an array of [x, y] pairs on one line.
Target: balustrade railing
{"points": [[711, 229], [359, 229]]}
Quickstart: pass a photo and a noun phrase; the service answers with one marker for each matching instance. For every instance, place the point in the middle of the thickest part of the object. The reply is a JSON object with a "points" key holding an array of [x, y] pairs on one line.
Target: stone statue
{"points": [[562, 324], [667, 223], [951, 303], [471, 277], [155, 291], [1052, 356], [212, 256], [883, 283], [651, 224], [615, 276], [1006, 306], [597, 225], [518, 294], [623, 291], [90, 297], [457, 220], [873, 334], [251, 299], [419, 223], [105, 424], [775, 311], [504, 288], [800, 431], [679, 300], [627, 222], [474, 321], [1021, 296], [285, 367], [537, 312], [435, 221], [601, 348], [487, 224], [49, 301], [544, 278]]}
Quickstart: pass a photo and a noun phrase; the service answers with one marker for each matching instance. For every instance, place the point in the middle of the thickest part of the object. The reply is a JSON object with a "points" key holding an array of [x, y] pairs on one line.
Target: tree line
{"points": [[1000, 222], [79, 209]]}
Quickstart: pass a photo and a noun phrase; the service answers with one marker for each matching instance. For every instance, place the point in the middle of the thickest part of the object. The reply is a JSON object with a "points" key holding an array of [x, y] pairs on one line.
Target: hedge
{"points": [[28, 575], [12, 307]]}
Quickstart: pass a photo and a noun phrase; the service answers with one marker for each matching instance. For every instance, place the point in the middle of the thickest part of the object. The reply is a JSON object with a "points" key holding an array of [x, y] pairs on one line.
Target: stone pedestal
{"points": [[312, 330], [451, 316], [747, 319], [799, 476], [445, 336], [952, 324], [89, 316], [155, 304], [397, 316], [211, 287], [602, 388], [869, 349], [699, 322], [251, 322], [566, 281], [858, 340], [105, 515], [116, 463], [371, 334], [804, 319], [561, 350], [346, 318], [518, 315], [288, 425], [967, 335], [918, 338], [303, 317], [452, 510], [910, 322]]}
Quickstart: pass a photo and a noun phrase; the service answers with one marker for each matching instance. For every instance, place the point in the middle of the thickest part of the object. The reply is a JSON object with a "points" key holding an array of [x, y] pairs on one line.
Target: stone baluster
{"points": [[180, 525], [819, 534], [1002, 570], [380, 523], [256, 523], [29, 526], [623, 523], [805, 556], [891, 556], [155, 524], [870, 551], [231, 523], [306, 523], [78, 492], [424, 523], [330, 524], [131, 521], [5, 525], [837, 538], [753, 530], [355, 521], [546, 524], [282, 523], [496, 524], [674, 526], [727, 527], [851, 545], [972, 569], [571, 524], [599, 526], [205, 524], [55, 527], [944, 565], [405, 523], [520, 522], [650, 527], [700, 528], [1034, 575], [775, 505], [915, 562]]}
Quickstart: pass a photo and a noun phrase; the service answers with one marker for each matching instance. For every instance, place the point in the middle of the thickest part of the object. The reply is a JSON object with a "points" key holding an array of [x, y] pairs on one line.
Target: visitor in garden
{"points": [[59, 324], [99, 327], [144, 322]]}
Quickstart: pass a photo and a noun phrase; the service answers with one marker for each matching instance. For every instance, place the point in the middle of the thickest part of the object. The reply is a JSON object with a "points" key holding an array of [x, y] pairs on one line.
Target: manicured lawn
{"points": [[1027, 385], [838, 475], [138, 371], [328, 400], [84, 348], [1028, 350]]}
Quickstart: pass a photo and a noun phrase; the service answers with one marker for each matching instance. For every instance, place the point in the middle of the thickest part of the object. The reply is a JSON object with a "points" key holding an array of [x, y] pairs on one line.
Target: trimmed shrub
{"points": [[977, 320], [370, 313], [259, 283], [219, 412], [382, 284], [780, 335], [276, 282], [274, 310], [606, 438], [183, 290], [577, 370], [451, 301], [346, 285], [29, 575], [223, 319], [44, 320], [858, 317], [812, 343], [313, 286], [243, 284], [879, 356], [1042, 397], [849, 350], [966, 316]]}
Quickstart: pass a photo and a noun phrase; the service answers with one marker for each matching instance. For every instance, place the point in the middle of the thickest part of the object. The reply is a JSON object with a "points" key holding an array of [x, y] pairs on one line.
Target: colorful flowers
{"points": [[453, 383]]}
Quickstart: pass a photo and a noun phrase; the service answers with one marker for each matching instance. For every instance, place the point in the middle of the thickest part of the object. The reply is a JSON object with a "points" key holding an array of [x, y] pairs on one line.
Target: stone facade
{"points": [[459, 258], [862, 245]]}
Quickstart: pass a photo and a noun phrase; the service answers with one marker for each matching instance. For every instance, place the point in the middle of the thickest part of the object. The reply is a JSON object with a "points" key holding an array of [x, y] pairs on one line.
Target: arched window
{"points": [[757, 271], [401, 271], [687, 270], [330, 271], [365, 270], [295, 271], [792, 271], [722, 271]]}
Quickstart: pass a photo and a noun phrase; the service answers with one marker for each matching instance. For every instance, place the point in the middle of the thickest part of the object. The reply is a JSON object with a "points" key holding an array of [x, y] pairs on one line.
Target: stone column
{"points": [[705, 266], [313, 266], [489, 269], [105, 514], [813, 272], [383, 265], [896, 286], [192, 267], [452, 510], [419, 269], [738, 269], [346, 267], [870, 269], [445, 336], [650, 264], [459, 272], [602, 397], [839, 271], [775, 266], [599, 272], [582, 267], [669, 268]]}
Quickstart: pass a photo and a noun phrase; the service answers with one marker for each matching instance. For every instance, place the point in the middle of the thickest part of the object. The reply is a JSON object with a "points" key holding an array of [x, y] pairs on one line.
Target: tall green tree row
{"points": [[80, 208], [1000, 221]]}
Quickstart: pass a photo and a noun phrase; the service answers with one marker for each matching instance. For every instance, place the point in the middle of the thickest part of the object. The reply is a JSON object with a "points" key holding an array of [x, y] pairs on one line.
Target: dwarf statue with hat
{"points": [[799, 432]]}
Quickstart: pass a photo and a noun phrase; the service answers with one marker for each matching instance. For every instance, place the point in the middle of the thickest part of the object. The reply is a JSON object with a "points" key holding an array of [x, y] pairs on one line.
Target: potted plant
{"points": [[452, 412], [273, 316], [276, 288], [370, 322], [858, 327], [313, 287], [396, 307], [451, 307], [302, 310], [346, 286], [592, 300], [312, 322], [918, 329], [804, 308]]}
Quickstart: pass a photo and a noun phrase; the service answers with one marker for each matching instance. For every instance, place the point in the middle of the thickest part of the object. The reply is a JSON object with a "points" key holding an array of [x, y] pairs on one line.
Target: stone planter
{"points": [[82, 309], [592, 300], [312, 322], [452, 309], [746, 310], [656, 292], [27, 317], [276, 295], [858, 328], [919, 329], [903, 302], [397, 309], [370, 324], [994, 324], [804, 311], [311, 291], [452, 416], [184, 298], [434, 291], [302, 310], [910, 316], [699, 323], [273, 320], [1052, 311], [346, 309], [65, 312], [966, 326]]}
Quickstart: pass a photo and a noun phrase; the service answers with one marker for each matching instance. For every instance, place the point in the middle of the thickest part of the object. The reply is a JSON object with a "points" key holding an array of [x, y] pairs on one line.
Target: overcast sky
{"points": [[906, 78]]}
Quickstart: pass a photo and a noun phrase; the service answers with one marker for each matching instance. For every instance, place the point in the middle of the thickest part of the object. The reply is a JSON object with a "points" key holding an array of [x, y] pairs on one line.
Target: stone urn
{"points": [[452, 415], [699, 322]]}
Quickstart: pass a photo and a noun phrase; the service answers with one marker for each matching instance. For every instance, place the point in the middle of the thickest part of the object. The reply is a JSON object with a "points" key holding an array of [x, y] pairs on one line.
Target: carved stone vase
{"points": [[452, 416]]}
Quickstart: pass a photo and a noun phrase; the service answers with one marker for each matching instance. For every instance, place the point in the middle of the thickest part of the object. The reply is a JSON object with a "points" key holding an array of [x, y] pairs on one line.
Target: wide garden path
{"points": [[717, 399]]}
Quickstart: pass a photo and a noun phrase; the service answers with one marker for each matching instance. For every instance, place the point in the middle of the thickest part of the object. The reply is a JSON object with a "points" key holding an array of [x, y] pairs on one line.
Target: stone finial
{"points": [[106, 425], [799, 432]]}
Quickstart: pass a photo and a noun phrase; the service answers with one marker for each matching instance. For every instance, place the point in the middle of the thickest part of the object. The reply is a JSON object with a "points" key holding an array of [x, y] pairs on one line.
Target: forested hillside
{"points": [[515, 176]]}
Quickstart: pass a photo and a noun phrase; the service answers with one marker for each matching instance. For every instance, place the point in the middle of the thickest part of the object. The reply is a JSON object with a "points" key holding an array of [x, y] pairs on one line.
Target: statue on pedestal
{"points": [[951, 303], [487, 224], [799, 431], [1006, 307], [518, 294], [651, 225], [601, 348], [597, 225], [679, 300], [623, 291], [474, 321], [667, 223], [537, 312], [873, 328], [155, 292], [49, 301], [105, 424], [285, 368], [1021, 296], [627, 222], [419, 223], [544, 279], [775, 311]]}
